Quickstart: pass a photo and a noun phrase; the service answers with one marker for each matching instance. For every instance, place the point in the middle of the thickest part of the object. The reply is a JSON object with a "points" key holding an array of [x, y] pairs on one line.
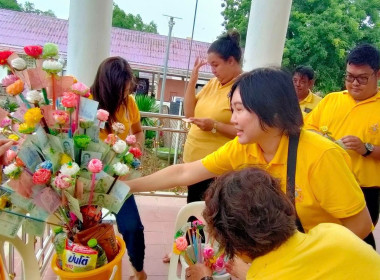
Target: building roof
{"points": [[144, 51]]}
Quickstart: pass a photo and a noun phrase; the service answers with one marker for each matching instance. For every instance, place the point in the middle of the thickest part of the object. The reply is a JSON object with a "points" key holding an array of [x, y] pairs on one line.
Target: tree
{"points": [[10, 5], [129, 21], [29, 8], [321, 33]]}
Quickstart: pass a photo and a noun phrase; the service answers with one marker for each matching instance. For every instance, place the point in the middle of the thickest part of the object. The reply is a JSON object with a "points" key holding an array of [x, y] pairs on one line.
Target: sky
{"points": [[207, 24]]}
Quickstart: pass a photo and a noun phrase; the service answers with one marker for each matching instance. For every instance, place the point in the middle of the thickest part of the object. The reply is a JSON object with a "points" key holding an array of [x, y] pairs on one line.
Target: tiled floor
{"points": [[158, 215]]}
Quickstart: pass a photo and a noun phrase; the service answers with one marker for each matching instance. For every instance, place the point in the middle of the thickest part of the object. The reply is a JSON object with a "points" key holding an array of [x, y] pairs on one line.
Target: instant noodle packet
{"points": [[78, 258]]}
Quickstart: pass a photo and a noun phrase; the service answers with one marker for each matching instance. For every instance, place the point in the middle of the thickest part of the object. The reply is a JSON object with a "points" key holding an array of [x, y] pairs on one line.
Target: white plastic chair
{"points": [[191, 209]]}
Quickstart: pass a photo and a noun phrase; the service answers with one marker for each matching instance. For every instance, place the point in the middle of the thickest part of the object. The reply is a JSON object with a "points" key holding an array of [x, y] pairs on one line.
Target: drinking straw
{"points": [[191, 242], [188, 260], [195, 245]]}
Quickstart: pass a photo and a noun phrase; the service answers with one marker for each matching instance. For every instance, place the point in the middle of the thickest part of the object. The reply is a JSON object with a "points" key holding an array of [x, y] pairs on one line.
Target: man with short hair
{"points": [[303, 80], [352, 116]]}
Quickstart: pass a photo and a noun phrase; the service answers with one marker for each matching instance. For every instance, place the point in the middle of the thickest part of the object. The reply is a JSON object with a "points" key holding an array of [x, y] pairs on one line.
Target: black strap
{"points": [[291, 174]]}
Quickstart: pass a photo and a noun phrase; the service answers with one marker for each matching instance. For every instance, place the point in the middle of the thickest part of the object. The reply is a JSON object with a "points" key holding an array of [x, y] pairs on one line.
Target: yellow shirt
{"points": [[213, 103], [127, 117], [328, 251], [343, 116], [326, 189], [309, 103]]}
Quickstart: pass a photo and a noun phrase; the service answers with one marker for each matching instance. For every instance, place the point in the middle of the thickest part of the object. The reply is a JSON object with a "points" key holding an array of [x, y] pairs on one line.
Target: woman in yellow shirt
{"points": [[111, 88], [209, 110], [264, 234]]}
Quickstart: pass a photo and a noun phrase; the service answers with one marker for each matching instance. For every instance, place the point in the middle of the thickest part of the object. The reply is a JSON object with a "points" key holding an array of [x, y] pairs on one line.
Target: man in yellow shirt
{"points": [[352, 117], [263, 233], [303, 80]]}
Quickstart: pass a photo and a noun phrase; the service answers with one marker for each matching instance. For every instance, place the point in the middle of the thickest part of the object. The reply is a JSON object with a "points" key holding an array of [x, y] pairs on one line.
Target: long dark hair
{"points": [[113, 76], [270, 94]]}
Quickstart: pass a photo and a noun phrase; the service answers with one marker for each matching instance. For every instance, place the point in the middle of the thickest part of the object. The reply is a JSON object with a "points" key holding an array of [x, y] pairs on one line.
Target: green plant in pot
{"points": [[146, 103]]}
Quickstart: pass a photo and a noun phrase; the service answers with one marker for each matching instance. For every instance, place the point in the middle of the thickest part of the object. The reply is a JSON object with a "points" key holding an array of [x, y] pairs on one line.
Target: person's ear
{"points": [[378, 75], [311, 84]]}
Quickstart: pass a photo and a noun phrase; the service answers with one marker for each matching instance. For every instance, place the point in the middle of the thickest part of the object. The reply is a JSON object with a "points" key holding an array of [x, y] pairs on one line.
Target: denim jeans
{"points": [[130, 226]]}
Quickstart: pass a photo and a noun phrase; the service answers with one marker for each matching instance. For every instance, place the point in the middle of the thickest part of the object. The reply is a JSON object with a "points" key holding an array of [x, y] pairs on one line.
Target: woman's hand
{"points": [[203, 123], [197, 271], [199, 62]]}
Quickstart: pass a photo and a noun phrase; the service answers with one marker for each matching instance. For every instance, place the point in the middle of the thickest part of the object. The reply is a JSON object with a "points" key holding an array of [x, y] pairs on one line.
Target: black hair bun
{"points": [[234, 35]]}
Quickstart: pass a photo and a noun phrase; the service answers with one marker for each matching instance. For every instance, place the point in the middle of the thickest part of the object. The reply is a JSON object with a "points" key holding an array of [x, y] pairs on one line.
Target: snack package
{"points": [[78, 258]]}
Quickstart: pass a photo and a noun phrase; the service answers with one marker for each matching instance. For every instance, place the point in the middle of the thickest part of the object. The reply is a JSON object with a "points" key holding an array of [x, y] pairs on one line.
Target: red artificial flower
{"points": [[41, 176], [33, 51], [135, 152], [4, 56]]}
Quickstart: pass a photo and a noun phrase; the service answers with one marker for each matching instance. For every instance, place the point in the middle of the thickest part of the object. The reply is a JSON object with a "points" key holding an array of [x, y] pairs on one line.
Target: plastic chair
{"points": [[191, 209]]}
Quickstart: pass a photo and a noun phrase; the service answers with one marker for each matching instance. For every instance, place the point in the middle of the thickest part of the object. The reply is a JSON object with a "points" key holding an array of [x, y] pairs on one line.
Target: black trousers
{"points": [[372, 196]]}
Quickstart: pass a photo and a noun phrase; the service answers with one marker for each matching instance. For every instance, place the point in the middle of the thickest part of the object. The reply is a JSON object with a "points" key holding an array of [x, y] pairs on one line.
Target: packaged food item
{"points": [[78, 258], [102, 258], [59, 242]]}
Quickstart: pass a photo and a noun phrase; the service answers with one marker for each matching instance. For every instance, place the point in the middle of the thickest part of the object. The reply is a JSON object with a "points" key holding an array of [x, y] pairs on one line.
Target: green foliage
{"points": [[320, 34], [147, 104], [129, 21], [27, 8], [9, 105], [10, 5]]}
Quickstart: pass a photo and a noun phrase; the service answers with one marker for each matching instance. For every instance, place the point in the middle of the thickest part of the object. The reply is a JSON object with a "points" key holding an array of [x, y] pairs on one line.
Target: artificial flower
{"points": [[10, 155], [63, 181], [16, 88], [208, 252], [9, 79], [33, 51], [118, 128], [181, 243], [120, 169], [111, 139], [70, 169], [65, 158], [47, 164], [14, 137], [12, 171], [128, 158], [4, 57], [81, 141], [52, 66], [80, 88], [136, 163], [131, 139], [85, 124], [26, 128], [34, 96], [18, 63], [41, 176], [119, 146], [60, 117], [219, 264], [95, 165], [102, 115], [69, 99], [135, 152], [19, 162], [49, 50], [5, 122], [33, 116]]}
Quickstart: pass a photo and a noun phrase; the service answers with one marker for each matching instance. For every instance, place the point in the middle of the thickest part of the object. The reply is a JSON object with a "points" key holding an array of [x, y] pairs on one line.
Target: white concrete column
{"points": [[268, 23], [89, 39]]}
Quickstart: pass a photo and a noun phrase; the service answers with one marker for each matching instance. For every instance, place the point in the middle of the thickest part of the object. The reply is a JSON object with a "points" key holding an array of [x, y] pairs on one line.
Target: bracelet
{"points": [[207, 278]]}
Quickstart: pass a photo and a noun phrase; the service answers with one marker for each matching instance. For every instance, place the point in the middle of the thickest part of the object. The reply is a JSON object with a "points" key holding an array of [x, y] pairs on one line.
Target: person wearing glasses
{"points": [[303, 81], [353, 118]]}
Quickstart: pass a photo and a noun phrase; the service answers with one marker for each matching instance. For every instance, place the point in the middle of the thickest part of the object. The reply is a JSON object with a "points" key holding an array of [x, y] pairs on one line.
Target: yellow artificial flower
{"points": [[13, 137], [26, 128], [65, 159], [175, 250], [33, 116]]}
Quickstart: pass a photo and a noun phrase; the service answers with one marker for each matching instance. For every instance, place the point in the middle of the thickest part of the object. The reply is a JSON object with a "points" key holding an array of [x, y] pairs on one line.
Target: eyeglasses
{"points": [[361, 80]]}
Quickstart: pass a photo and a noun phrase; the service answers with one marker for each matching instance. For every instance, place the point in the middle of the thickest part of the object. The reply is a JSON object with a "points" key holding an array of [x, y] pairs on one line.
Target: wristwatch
{"points": [[207, 278], [213, 130], [369, 147]]}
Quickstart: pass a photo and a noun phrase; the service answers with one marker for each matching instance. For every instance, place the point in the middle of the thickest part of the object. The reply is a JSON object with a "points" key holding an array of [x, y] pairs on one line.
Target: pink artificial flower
{"points": [[220, 264], [10, 155], [208, 252], [197, 223], [41, 176], [5, 122], [60, 117], [8, 80], [80, 88], [111, 139], [95, 165], [69, 99], [118, 127], [131, 139], [102, 115], [135, 152], [181, 243], [63, 181]]}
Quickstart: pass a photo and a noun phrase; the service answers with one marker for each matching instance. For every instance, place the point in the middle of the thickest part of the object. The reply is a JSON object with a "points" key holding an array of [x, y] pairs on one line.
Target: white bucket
{"points": [[184, 265]]}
